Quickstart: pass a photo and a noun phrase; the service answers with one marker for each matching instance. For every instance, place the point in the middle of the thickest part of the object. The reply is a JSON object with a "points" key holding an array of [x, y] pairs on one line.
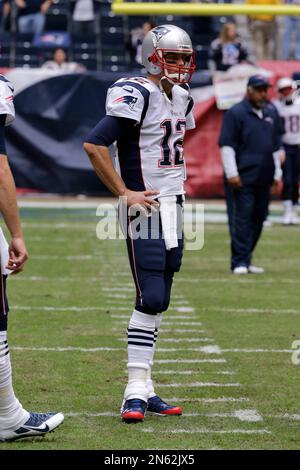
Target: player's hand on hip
{"points": [[276, 188], [17, 255], [142, 198], [235, 182]]}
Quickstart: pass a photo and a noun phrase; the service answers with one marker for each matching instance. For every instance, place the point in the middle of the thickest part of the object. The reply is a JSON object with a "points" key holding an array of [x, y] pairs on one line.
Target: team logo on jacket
{"points": [[130, 100], [269, 119]]}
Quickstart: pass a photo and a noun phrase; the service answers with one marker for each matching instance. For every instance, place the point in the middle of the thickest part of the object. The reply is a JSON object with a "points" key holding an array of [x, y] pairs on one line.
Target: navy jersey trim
{"points": [[190, 106], [4, 79]]}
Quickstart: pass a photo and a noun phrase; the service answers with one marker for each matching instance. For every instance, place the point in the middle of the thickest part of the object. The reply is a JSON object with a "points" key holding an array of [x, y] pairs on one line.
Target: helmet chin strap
{"points": [[165, 77]]}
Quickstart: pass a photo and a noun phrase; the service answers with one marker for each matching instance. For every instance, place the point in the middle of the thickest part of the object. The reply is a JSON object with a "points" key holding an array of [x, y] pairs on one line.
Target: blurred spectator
{"points": [[83, 16], [291, 28], [32, 15], [135, 44], [263, 31], [60, 62], [227, 49], [5, 8]]}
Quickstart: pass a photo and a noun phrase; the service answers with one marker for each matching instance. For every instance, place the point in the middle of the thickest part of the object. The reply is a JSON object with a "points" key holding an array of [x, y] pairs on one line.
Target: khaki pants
{"points": [[263, 36]]}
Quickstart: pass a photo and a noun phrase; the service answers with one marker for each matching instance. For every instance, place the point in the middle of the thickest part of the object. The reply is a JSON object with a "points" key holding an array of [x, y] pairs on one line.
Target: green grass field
{"points": [[227, 357]]}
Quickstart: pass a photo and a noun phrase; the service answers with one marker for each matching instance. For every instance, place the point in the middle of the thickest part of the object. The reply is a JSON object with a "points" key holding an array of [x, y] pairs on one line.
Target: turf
{"points": [[256, 316]]}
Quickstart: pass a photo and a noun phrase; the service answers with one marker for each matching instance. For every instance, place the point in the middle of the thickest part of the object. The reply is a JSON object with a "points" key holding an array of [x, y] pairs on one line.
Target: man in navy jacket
{"points": [[250, 151]]}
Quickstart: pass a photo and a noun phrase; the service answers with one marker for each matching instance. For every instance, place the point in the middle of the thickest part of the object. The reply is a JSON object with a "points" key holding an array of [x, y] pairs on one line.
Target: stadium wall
{"points": [[54, 112]]}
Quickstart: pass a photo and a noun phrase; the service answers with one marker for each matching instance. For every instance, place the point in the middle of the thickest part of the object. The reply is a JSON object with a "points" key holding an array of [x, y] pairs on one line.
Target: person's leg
{"points": [[287, 190], [295, 184], [258, 39], [38, 20], [173, 262], [24, 24], [287, 36], [242, 229], [230, 206], [262, 200], [12, 414], [296, 23], [15, 421], [269, 40], [147, 261]]}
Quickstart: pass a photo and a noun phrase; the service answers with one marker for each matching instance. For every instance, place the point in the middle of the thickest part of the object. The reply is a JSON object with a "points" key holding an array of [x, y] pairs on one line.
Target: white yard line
{"points": [[287, 416], [100, 348], [247, 280], [198, 384], [64, 349], [189, 361], [241, 415], [253, 310], [184, 330], [178, 340], [206, 431], [208, 400], [180, 317], [170, 323], [130, 288], [191, 372], [172, 330], [177, 309], [257, 350]]}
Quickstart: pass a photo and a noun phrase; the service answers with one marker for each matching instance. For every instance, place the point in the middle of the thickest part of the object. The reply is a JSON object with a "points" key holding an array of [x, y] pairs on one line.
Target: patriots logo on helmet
{"points": [[159, 32], [130, 100]]}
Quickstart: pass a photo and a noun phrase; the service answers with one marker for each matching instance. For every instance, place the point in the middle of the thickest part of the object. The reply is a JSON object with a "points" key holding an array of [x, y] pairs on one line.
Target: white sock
{"points": [[287, 205], [150, 385], [12, 414], [140, 344]]}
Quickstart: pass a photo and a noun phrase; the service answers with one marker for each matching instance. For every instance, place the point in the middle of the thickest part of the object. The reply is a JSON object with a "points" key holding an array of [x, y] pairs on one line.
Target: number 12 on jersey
{"points": [[172, 153]]}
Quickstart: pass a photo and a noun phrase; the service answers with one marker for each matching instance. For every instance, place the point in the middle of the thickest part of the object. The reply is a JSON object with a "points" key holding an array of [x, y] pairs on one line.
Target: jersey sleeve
{"points": [[6, 100], [126, 101]]}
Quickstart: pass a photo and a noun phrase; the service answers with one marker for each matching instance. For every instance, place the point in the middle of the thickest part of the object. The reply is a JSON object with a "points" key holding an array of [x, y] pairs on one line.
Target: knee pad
{"points": [[153, 294]]}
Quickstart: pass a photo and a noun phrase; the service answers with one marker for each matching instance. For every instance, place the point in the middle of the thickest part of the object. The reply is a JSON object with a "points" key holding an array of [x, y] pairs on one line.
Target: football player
{"points": [[15, 421], [288, 107], [147, 118]]}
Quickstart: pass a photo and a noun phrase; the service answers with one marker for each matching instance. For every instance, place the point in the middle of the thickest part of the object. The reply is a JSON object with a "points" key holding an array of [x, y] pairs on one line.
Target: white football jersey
{"points": [[290, 113], [151, 154], [7, 100]]}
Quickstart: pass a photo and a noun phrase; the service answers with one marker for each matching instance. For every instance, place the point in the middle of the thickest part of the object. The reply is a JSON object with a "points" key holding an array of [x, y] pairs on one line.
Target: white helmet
{"points": [[286, 88], [161, 40], [286, 82]]}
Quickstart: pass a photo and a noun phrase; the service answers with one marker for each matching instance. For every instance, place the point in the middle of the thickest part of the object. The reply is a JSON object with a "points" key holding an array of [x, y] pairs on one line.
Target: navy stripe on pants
{"points": [[291, 173]]}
